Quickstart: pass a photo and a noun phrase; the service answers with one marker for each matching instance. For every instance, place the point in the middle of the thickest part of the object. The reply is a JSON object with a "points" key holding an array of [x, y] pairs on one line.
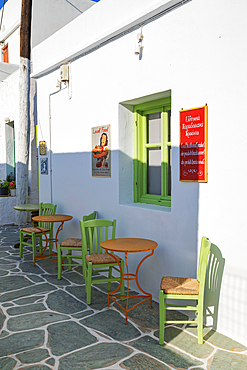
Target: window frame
{"points": [[140, 152]]}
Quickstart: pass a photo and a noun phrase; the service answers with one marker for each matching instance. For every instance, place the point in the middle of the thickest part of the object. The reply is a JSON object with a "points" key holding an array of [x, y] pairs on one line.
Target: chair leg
{"points": [[161, 317], [70, 259], [34, 246], [59, 262], [89, 282], [21, 245], [40, 244], [200, 325], [122, 285]]}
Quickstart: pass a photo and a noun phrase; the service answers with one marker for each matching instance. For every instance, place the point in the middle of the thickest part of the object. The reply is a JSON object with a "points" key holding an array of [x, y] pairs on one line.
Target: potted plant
{"points": [[12, 187], [4, 187]]}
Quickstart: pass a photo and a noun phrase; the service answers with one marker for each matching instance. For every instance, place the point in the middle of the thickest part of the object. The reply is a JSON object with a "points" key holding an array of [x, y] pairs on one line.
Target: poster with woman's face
{"points": [[101, 153]]}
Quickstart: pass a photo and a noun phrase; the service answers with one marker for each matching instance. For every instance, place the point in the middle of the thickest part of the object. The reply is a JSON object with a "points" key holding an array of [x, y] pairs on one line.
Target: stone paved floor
{"points": [[46, 324]]}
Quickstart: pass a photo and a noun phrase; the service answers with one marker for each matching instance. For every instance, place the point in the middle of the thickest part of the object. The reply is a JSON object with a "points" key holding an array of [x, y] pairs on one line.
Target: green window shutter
{"points": [[144, 173]]}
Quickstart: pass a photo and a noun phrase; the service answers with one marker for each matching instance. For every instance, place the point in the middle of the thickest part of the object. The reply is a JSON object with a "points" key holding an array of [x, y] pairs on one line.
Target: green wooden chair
{"points": [[33, 233], [71, 244], [185, 288], [96, 259]]}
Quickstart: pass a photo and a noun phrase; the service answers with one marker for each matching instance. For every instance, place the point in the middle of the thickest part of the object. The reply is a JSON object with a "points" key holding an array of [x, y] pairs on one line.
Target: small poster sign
{"points": [[44, 166], [193, 144], [101, 153]]}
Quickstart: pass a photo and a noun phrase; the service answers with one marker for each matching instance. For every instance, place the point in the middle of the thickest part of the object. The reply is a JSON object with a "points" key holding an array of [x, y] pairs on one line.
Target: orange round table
{"points": [[129, 245], [50, 218]]}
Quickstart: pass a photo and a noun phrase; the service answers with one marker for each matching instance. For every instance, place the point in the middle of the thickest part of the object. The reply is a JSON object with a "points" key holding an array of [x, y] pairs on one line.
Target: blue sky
{"points": [[1, 3]]}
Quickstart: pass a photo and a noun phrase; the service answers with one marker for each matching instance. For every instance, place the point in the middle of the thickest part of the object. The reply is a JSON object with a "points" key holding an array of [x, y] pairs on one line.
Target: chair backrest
{"points": [[46, 209], [202, 266], [98, 231], [91, 216]]}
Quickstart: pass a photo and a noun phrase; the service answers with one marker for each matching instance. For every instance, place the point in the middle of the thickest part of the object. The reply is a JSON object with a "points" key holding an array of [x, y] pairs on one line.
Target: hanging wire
{"points": [[2, 15]]}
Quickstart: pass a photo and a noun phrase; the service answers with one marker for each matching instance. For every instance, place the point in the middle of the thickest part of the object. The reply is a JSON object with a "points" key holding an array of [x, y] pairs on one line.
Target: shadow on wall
{"points": [[214, 275]]}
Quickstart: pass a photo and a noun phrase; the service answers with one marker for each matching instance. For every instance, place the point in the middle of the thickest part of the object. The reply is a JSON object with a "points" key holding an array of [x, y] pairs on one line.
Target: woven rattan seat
{"points": [[101, 258], [34, 230], [179, 285], [72, 242]]}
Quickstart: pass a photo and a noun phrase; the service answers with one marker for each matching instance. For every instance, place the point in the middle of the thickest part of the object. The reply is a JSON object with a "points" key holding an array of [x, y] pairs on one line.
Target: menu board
{"points": [[193, 144]]}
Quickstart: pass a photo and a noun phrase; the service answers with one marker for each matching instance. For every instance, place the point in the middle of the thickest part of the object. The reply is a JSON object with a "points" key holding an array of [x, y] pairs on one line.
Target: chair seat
{"points": [[72, 242], [179, 285], [102, 258], [31, 230]]}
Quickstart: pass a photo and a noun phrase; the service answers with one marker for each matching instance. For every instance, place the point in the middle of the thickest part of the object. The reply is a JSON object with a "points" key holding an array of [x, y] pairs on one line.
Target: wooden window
{"points": [[5, 52], [152, 152]]}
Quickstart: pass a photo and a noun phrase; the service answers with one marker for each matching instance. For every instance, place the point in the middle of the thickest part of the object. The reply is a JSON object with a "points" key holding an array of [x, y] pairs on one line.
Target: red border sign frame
{"points": [[193, 144]]}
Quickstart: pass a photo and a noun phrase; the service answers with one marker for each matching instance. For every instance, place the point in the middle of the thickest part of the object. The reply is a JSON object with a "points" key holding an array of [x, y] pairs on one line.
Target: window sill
{"points": [[151, 207]]}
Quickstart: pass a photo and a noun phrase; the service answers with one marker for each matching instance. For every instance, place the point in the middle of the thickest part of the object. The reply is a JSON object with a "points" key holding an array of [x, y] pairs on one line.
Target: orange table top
{"points": [[129, 245], [52, 218]]}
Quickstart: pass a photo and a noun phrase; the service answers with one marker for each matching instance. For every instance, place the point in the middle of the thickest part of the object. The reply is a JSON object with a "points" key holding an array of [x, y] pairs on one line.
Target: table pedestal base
{"points": [[129, 277], [40, 256]]}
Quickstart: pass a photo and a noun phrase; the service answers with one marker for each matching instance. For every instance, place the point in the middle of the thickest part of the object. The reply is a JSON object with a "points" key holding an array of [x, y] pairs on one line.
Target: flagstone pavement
{"points": [[46, 324]]}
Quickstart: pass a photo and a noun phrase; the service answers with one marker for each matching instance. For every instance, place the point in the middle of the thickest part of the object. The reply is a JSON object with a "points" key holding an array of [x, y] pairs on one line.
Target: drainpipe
{"points": [[50, 156]]}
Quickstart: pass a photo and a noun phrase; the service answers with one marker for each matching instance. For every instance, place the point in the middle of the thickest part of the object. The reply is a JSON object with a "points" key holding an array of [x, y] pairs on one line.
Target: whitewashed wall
{"points": [[196, 51]]}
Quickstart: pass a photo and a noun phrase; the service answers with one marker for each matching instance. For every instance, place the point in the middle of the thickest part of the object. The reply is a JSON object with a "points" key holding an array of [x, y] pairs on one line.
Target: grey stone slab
{"points": [[96, 357], [103, 286], [3, 254], [98, 301], [13, 282], [74, 277], [82, 314], [13, 258], [39, 288], [4, 262], [224, 360], [217, 339], [15, 270], [143, 362], [165, 353], [34, 320], [35, 355], [7, 304], [20, 342], [7, 267], [48, 266], [36, 367], [26, 309], [5, 248], [112, 324], [7, 363], [51, 361], [30, 268], [36, 279], [143, 315], [23, 301], [2, 318], [28, 257], [63, 302], [3, 273], [68, 336], [4, 333], [186, 342], [54, 280]]}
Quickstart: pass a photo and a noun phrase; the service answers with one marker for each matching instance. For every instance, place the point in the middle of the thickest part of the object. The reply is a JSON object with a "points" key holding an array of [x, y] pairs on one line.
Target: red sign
{"points": [[193, 144]]}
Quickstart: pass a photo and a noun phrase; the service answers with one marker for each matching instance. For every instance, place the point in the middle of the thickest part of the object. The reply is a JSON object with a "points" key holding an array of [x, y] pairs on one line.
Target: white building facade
{"points": [[193, 54], [47, 17]]}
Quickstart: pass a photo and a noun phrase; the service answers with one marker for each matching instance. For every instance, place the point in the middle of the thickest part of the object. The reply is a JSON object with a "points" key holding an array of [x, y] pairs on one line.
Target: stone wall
{"points": [[7, 211]]}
